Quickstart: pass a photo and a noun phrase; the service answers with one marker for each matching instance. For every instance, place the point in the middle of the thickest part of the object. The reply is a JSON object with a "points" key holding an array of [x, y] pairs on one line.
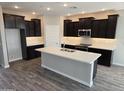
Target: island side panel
{"points": [[79, 71]]}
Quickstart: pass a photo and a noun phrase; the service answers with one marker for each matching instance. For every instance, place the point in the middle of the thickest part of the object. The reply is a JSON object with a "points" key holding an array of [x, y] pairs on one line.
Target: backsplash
{"points": [[34, 41], [94, 41]]}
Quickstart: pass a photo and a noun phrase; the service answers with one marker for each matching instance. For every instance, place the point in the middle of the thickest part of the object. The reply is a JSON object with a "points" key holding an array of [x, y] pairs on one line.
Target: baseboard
{"points": [[7, 66], [118, 64], [15, 59]]}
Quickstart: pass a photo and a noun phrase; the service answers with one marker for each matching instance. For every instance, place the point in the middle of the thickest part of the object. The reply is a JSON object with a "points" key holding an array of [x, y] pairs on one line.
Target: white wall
{"points": [[13, 44], [52, 30], [118, 56], [3, 47]]}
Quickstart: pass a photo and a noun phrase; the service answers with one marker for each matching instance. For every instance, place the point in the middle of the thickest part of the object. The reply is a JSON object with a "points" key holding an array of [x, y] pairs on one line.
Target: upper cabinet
{"points": [[112, 22], [105, 28], [71, 28], [100, 28], [86, 23], [33, 27], [37, 27], [9, 21], [27, 28], [19, 21], [13, 21], [67, 27]]}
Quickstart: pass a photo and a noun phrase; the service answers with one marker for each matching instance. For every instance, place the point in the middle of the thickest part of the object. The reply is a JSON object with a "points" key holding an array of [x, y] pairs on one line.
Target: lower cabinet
{"points": [[32, 53], [105, 58]]}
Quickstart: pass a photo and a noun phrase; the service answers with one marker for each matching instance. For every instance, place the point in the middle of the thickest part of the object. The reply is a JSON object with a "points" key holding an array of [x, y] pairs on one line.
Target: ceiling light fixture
{"points": [[48, 9], [33, 13], [103, 9], [16, 6], [65, 5], [82, 12], [68, 14]]}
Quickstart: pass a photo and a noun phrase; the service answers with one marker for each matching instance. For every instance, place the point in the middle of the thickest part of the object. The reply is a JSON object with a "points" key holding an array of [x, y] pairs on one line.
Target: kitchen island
{"points": [[80, 66]]}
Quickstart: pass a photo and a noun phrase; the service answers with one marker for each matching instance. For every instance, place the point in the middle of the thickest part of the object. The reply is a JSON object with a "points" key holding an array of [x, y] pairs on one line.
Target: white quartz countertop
{"points": [[81, 56]]}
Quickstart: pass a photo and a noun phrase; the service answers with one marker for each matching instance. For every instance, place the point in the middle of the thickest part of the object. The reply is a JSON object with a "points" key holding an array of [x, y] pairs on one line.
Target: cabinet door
{"points": [[66, 27], [20, 22], [37, 27], [38, 54], [105, 58], [31, 27], [112, 22], [71, 30], [75, 28], [95, 28], [99, 28], [103, 28], [27, 28], [86, 23], [30, 52], [9, 21]]}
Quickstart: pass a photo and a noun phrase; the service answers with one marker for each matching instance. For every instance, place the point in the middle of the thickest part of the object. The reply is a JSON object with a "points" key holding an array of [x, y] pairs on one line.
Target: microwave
{"points": [[84, 32]]}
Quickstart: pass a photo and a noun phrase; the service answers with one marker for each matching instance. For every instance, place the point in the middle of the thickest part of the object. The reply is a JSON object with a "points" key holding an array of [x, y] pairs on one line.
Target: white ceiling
{"points": [[57, 8]]}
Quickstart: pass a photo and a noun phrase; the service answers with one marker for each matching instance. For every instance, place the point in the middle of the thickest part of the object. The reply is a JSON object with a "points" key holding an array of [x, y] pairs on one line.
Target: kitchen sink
{"points": [[67, 50]]}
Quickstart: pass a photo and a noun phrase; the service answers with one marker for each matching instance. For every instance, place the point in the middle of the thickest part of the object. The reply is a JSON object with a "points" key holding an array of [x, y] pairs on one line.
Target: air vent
{"points": [[73, 7]]}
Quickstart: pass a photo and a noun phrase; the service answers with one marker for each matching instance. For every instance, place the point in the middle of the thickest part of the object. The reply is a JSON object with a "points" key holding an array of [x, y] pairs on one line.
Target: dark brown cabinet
{"points": [[9, 21], [19, 21], [71, 28], [33, 27], [86, 23], [99, 28], [67, 27], [95, 29], [32, 53], [112, 22], [27, 28], [13, 21], [75, 28], [37, 27], [102, 28], [105, 58]]}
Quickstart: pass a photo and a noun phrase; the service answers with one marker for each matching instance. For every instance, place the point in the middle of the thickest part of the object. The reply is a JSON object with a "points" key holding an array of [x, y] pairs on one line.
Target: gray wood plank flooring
{"points": [[30, 76]]}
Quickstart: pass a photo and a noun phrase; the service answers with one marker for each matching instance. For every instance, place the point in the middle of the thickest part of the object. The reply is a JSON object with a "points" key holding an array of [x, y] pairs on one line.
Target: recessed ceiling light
{"points": [[48, 9], [103, 9], [33, 13], [82, 12], [65, 5], [16, 6], [68, 14]]}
